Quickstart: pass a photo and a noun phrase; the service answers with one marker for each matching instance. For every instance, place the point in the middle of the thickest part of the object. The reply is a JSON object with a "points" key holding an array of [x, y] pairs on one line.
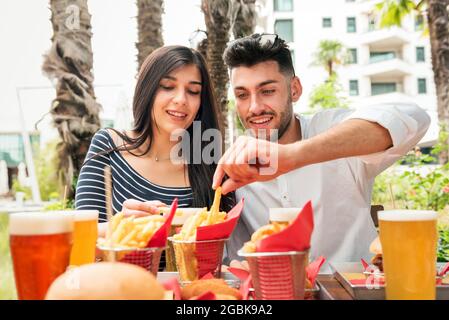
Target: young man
{"points": [[330, 158]]}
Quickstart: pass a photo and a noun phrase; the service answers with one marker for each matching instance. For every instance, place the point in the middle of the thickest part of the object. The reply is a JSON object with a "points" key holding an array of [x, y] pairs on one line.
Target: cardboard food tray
{"points": [[363, 292], [230, 279]]}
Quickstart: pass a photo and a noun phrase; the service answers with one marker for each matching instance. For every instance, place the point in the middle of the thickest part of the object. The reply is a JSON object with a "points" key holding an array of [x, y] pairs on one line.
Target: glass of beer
{"points": [[85, 235], [283, 215], [409, 246], [40, 248]]}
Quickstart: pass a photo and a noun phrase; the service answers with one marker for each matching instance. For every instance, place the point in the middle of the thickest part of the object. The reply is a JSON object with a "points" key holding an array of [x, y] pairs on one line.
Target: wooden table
{"points": [[331, 289]]}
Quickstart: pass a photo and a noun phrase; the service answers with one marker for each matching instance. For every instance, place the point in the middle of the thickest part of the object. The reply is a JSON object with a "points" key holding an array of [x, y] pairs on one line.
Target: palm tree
{"points": [[149, 26], [216, 18], [330, 53], [392, 13], [74, 111], [243, 18]]}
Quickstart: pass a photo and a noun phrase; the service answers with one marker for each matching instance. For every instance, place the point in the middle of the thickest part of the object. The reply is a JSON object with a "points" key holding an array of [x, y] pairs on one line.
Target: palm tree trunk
{"points": [[69, 62], [149, 26], [438, 20], [216, 17], [243, 18]]}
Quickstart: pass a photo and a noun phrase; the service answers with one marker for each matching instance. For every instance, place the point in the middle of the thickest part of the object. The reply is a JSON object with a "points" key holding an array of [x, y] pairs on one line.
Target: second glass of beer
{"points": [[84, 236], [409, 245]]}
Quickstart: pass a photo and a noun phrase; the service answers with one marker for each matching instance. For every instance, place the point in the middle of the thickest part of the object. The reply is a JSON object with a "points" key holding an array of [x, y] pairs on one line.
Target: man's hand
{"points": [[249, 160], [138, 208]]}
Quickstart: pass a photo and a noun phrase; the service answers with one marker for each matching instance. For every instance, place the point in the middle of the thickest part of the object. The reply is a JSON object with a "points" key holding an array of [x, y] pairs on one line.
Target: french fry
{"points": [[145, 220], [116, 220], [128, 237], [215, 206]]}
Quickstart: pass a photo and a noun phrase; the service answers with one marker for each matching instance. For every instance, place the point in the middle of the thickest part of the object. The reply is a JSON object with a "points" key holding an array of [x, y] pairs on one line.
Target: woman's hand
{"points": [[132, 207]]}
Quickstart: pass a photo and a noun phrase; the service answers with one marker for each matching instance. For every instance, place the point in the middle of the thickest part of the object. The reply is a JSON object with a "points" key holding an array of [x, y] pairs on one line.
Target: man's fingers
{"points": [[218, 176], [231, 185]]}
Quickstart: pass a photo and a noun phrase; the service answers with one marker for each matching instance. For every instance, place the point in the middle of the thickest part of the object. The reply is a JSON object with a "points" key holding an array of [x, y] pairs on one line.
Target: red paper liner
{"points": [[245, 281], [173, 285], [313, 269], [444, 270], [159, 238], [221, 230], [295, 237], [209, 295]]}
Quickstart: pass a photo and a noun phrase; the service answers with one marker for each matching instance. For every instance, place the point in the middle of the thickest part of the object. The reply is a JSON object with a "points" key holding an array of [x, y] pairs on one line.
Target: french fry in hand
{"points": [[202, 218]]}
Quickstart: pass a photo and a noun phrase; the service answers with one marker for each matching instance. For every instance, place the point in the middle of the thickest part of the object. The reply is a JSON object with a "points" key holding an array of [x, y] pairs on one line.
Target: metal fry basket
{"points": [[194, 259], [278, 275], [147, 258]]}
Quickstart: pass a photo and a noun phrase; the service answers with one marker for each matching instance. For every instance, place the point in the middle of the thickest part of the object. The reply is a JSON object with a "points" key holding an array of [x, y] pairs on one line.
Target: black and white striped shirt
{"points": [[126, 182]]}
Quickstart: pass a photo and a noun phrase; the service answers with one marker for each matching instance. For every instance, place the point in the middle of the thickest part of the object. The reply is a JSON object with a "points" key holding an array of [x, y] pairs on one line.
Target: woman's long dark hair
{"points": [[156, 66]]}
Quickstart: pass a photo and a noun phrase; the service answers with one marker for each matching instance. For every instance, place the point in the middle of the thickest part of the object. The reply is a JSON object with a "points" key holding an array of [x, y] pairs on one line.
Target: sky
{"points": [[25, 33]]}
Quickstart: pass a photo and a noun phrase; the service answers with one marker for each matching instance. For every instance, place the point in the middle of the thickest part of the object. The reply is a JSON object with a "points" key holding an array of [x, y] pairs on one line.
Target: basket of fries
{"points": [[138, 241], [278, 255], [199, 245], [194, 259]]}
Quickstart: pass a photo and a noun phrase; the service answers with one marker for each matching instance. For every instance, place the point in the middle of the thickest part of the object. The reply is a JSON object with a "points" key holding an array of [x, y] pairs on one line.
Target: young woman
{"points": [[173, 90]]}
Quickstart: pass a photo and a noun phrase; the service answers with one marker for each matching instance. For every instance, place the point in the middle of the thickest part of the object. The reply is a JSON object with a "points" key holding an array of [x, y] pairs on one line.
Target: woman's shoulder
{"points": [[102, 139]]}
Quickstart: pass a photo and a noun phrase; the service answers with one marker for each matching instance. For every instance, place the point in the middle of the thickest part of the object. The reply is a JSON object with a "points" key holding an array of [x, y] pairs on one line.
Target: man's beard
{"points": [[286, 118], [284, 124]]}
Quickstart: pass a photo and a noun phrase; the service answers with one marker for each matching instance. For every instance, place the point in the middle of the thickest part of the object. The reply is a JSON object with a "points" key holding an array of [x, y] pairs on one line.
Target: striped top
{"points": [[127, 183]]}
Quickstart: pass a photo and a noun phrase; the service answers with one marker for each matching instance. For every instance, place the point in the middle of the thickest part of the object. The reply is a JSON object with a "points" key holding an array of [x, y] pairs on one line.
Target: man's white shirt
{"points": [[340, 190]]}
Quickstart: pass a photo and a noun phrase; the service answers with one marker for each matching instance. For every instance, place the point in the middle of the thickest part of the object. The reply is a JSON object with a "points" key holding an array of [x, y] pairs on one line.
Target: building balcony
{"points": [[392, 97], [385, 38], [387, 68]]}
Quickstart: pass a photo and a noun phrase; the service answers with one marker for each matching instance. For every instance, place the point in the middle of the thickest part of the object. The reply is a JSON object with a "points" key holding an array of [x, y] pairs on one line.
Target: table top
{"points": [[331, 289]]}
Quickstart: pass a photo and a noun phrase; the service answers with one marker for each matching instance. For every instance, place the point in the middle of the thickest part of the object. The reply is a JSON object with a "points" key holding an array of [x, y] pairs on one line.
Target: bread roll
{"points": [[106, 281]]}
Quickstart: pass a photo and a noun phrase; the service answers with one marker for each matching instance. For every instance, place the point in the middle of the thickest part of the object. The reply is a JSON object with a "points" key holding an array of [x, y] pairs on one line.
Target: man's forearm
{"points": [[354, 137]]}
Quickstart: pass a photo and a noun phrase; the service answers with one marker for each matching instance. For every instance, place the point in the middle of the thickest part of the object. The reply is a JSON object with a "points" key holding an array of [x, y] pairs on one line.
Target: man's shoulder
{"points": [[322, 120]]}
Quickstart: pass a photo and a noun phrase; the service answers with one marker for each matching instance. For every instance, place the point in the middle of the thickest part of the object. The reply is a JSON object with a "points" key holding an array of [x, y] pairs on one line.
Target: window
{"points": [[422, 86], [382, 88], [283, 5], [352, 56], [327, 22], [350, 25], [420, 57], [284, 28], [381, 56], [353, 87], [13, 149], [419, 22]]}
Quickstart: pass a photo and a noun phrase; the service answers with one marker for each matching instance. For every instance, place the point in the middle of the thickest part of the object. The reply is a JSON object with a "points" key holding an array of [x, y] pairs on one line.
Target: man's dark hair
{"points": [[257, 48]]}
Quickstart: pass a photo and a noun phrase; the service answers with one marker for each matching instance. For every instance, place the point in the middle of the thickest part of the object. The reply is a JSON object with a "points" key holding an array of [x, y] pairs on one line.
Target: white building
{"points": [[387, 65]]}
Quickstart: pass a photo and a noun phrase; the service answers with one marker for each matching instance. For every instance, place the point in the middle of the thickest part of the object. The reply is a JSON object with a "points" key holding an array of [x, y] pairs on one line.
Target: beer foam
{"points": [[407, 215], [40, 223], [284, 214], [182, 214], [85, 215]]}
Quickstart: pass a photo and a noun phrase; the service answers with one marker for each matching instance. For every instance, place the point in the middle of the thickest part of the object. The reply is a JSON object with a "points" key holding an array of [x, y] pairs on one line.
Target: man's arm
{"points": [[365, 133], [354, 137]]}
